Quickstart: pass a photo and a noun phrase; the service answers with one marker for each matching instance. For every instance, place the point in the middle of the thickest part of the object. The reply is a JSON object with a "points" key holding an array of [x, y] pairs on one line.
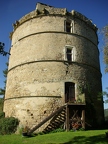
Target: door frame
{"points": [[69, 90]]}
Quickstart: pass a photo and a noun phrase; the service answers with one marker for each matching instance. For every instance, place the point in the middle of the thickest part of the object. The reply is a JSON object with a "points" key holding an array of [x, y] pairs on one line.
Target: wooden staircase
{"points": [[58, 118], [56, 121]]}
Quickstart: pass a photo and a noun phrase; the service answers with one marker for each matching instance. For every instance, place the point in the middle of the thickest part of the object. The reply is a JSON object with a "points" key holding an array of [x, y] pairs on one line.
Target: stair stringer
{"points": [[56, 121], [55, 113]]}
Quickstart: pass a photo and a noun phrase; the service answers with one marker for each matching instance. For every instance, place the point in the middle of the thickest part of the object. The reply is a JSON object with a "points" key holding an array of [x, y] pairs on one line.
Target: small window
{"points": [[68, 26], [69, 53]]}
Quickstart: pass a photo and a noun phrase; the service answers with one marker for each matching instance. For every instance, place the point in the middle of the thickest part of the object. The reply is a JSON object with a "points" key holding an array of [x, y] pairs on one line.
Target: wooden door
{"points": [[69, 92]]}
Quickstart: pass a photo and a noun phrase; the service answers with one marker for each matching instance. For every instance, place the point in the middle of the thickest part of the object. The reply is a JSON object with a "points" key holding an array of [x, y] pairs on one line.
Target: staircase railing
{"points": [[46, 119]]}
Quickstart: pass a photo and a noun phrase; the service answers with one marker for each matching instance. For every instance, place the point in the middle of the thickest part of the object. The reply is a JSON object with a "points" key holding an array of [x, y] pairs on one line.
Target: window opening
{"points": [[69, 53], [69, 26]]}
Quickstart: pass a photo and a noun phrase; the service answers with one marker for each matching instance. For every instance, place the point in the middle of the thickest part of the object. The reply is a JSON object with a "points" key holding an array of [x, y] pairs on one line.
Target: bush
{"points": [[57, 130], [2, 115], [8, 125]]}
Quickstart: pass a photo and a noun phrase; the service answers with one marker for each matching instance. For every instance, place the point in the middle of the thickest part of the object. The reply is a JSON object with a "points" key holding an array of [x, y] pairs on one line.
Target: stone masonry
{"points": [[38, 67]]}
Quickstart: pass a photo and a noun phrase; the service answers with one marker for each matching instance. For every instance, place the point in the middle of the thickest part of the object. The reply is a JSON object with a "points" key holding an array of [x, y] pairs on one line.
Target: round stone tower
{"points": [[54, 60]]}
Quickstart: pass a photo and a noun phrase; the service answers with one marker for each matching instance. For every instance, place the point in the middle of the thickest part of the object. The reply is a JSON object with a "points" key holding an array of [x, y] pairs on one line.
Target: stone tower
{"points": [[54, 60]]}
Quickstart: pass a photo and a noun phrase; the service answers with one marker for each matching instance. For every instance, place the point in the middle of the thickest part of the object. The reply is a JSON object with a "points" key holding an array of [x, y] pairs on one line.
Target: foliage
{"points": [[57, 130], [106, 115], [2, 90], [2, 52], [25, 129], [78, 137], [22, 130], [84, 88], [105, 33], [8, 125], [106, 94], [1, 104], [2, 115], [81, 129]]}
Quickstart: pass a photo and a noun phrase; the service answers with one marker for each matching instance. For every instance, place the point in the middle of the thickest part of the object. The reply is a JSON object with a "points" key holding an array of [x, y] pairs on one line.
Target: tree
{"points": [[105, 34], [106, 94], [2, 90], [2, 52]]}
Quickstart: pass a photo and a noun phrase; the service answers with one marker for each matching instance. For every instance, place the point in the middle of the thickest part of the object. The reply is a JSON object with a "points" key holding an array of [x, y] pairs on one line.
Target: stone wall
{"points": [[32, 48], [38, 69]]}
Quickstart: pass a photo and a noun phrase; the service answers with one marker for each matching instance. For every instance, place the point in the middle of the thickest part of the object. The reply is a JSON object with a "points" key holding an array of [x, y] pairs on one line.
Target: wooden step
{"points": [[55, 113], [56, 121]]}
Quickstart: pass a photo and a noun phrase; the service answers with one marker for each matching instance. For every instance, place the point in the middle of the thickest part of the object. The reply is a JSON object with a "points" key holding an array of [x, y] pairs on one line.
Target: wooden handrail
{"points": [[46, 119]]}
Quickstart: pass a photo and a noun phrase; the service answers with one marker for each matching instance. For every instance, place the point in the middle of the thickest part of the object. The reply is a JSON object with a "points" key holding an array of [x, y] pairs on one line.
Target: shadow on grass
{"points": [[89, 140], [28, 136]]}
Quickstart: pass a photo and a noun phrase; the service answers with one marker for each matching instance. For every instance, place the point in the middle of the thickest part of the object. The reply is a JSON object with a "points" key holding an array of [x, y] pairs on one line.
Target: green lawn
{"points": [[78, 137]]}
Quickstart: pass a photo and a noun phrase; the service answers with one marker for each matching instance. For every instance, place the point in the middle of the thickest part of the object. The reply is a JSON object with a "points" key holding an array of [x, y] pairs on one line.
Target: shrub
{"points": [[57, 130], [8, 125], [2, 115]]}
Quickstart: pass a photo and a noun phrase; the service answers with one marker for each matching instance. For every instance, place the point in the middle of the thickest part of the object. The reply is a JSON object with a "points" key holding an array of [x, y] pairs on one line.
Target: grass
{"points": [[78, 137]]}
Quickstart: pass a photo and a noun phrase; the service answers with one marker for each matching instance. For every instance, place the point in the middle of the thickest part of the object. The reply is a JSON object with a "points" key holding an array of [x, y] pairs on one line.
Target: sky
{"points": [[12, 10]]}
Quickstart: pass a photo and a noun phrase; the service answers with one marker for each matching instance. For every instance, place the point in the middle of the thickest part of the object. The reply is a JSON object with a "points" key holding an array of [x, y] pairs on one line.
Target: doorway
{"points": [[69, 92]]}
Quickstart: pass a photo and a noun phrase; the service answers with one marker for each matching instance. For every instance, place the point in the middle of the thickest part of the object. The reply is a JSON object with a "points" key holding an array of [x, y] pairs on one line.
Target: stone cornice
{"points": [[62, 61], [25, 97], [58, 32], [45, 10]]}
